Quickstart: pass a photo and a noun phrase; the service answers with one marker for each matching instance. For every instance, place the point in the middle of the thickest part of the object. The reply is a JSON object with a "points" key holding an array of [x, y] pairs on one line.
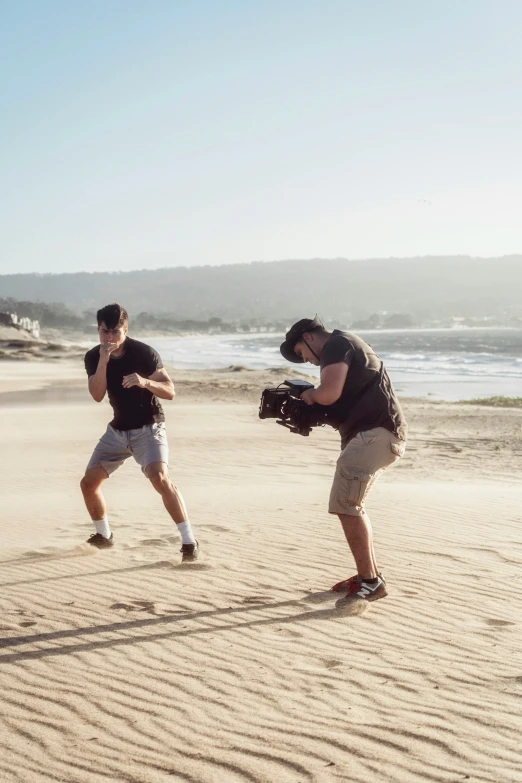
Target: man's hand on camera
{"points": [[106, 349], [307, 397], [134, 380]]}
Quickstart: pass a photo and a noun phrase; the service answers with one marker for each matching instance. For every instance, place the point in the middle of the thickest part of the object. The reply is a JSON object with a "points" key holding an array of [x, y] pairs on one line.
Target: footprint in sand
{"points": [[498, 623], [23, 612], [136, 606], [145, 606], [127, 607], [332, 663], [289, 632], [154, 542], [148, 606], [256, 599]]}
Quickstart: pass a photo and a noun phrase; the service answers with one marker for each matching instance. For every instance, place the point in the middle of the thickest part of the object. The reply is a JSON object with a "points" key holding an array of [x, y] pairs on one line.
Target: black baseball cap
{"points": [[293, 336]]}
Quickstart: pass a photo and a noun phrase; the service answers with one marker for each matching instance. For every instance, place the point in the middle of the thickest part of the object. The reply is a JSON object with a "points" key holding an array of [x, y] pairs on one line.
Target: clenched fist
{"points": [[106, 349], [307, 396], [134, 380]]}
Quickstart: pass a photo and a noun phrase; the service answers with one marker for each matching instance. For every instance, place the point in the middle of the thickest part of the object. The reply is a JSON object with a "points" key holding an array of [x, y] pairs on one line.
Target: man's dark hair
{"points": [[112, 315]]}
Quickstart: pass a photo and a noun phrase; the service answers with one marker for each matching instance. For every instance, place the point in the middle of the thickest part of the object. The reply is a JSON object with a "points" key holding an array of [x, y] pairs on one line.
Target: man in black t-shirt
{"points": [[373, 429], [133, 376]]}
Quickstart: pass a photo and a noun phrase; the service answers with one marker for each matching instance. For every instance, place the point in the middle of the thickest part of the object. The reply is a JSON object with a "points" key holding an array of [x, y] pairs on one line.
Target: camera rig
{"points": [[285, 405]]}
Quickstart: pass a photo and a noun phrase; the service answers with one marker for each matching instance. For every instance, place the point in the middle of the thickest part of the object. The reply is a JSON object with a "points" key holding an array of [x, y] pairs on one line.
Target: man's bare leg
{"points": [[370, 586], [158, 474], [358, 532], [92, 494], [95, 502], [374, 559]]}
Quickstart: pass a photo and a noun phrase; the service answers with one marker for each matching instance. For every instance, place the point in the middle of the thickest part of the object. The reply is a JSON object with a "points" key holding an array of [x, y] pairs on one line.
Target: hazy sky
{"points": [[157, 133]]}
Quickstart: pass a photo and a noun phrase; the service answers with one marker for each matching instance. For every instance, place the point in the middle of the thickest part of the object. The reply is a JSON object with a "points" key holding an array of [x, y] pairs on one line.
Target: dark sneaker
{"points": [[189, 552], [100, 542], [345, 584], [359, 590]]}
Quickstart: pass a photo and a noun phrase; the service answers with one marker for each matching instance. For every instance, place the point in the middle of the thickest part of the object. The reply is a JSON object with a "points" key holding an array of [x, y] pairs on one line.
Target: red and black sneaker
{"points": [[361, 590], [345, 584]]}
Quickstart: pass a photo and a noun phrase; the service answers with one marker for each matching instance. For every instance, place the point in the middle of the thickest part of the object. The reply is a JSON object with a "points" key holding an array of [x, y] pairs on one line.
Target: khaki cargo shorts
{"points": [[361, 463], [147, 444]]}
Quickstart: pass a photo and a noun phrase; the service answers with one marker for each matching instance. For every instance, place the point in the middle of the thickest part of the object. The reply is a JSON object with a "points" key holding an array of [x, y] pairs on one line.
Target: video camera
{"points": [[290, 411]]}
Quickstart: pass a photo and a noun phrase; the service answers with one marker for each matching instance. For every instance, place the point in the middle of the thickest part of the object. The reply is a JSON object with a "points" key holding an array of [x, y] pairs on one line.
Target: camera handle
{"points": [[294, 429]]}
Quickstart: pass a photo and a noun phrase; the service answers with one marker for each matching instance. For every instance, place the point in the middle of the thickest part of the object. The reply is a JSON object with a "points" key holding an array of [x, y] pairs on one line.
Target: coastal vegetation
{"points": [[495, 402], [58, 316]]}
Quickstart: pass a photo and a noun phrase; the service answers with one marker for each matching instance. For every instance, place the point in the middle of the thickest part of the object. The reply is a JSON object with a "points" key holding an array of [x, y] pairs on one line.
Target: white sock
{"points": [[185, 531], [102, 527]]}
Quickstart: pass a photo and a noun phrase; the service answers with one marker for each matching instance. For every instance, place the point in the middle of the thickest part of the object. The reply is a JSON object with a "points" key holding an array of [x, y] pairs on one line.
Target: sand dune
{"points": [[127, 666]]}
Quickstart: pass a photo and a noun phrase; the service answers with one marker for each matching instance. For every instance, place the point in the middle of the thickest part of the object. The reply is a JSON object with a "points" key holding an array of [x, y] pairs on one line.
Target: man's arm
{"points": [[98, 385], [98, 382], [159, 383], [333, 377]]}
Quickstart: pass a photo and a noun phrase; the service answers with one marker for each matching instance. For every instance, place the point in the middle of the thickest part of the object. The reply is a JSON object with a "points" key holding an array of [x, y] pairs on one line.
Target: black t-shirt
{"points": [[368, 399], [134, 407]]}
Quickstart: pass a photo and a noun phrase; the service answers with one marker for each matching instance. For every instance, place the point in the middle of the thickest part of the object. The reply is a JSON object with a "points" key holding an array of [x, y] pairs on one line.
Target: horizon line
{"points": [[251, 263]]}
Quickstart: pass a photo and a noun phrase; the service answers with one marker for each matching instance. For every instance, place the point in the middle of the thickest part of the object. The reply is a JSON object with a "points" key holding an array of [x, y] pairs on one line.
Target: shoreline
{"points": [[423, 371], [24, 363], [71, 337]]}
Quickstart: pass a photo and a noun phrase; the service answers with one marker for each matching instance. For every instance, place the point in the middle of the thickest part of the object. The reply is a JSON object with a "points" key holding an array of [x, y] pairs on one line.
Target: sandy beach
{"points": [[125, 665]]}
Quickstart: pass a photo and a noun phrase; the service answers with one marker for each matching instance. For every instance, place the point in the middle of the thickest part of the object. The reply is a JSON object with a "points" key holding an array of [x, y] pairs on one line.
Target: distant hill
{"points": [[336, 288]]}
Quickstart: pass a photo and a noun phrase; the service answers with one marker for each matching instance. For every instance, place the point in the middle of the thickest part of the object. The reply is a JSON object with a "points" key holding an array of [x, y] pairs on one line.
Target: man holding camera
{"points": [[133, 376], [355, 384]]}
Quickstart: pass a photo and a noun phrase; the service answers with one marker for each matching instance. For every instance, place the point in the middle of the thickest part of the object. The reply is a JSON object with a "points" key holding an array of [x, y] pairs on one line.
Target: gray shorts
{"points": [[361, 463], [147, 444]]}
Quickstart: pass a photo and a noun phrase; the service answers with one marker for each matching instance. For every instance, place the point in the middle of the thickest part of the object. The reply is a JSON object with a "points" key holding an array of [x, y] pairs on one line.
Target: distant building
{"points": [[22, 324], [8, 319]]}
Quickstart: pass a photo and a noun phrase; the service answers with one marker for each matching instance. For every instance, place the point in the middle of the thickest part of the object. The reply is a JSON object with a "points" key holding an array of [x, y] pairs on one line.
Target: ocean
{"points": [[445, 364]]}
